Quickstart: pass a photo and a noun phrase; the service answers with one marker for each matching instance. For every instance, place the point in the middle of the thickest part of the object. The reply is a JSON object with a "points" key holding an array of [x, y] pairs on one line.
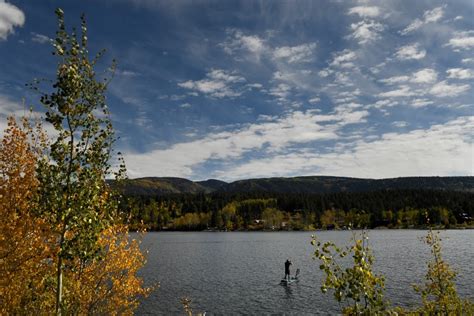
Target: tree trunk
{"points": [[59, 290]]}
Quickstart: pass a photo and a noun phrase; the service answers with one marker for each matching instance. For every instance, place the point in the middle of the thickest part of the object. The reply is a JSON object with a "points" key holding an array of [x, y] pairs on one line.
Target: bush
{"points": [[361, 291], [357, 287]]}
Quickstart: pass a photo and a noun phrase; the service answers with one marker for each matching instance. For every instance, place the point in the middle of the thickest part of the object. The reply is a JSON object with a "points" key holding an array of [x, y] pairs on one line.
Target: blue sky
{"points": [[245, 89]]}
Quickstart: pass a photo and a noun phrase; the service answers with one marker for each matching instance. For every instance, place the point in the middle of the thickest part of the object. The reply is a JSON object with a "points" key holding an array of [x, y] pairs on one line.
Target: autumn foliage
{"points": [[107, 284], [25, 240], [438, 292]]}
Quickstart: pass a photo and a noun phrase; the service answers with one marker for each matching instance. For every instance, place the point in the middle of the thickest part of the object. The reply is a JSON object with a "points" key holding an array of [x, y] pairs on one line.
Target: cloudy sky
{"points": [[245, 89]]}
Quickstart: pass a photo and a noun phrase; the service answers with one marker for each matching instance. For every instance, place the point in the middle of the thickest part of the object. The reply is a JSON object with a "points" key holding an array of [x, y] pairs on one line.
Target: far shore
{"points": [[302, 231]]}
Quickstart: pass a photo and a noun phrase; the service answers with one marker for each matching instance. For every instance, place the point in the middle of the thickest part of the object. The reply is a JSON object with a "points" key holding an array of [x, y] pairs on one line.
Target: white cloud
{"points": [[429, 16], [460, 73], [343, 99], [400, 124], [185, 105], [402, 91], [324, 73], [441, 150], [10, 17], [126, 73], [416, 24], [365, 11], [343, 59], [217, 84], [418, 103], [252, 43], [443, 89], [283, 76], [366, 31], [462, 40], [314, 100], [295, 54], [412, 51], [272, 135], [395, 80], [467, 60], [8, 107], [254, 85], [238, 41], [350, 93], [385, 103], [433, 15], [142, 119], [281, 91], [343, 79], [424, 76], [286, 80], [348, 107], [40, 38]]}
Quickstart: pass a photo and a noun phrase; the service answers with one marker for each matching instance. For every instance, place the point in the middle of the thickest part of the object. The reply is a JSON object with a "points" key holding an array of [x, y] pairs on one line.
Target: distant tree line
{"points": [[293, 211]]}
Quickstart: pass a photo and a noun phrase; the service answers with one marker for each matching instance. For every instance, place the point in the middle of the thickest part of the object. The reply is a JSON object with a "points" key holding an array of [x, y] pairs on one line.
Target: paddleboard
{"points": [[292, 279], [288, 282]]}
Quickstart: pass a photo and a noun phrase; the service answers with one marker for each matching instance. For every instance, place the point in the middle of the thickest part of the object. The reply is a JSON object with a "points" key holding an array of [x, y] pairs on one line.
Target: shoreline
{"points": [[301, 231]]}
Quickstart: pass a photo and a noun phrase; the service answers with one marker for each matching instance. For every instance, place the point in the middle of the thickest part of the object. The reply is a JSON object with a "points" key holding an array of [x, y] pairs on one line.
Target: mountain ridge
{"points": [[298, 184]]}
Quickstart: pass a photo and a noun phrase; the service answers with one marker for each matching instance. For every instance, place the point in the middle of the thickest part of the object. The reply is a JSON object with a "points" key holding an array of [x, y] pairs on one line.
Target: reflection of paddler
{"points": [[287, 269]]}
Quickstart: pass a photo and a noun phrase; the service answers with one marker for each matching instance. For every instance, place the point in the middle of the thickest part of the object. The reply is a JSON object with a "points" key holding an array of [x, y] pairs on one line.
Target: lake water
{"points": [[239, 272]]}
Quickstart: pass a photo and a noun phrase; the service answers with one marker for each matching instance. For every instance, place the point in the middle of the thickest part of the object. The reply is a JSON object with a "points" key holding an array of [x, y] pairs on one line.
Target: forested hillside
{"points": [[312, 184]]}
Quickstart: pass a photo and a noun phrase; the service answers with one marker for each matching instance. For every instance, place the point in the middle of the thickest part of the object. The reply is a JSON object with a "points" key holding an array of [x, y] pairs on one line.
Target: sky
{"points": [[249, 89]]}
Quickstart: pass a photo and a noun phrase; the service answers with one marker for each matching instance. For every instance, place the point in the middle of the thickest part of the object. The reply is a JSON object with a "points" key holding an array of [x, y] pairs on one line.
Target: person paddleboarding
{"points": [[287, 269]]}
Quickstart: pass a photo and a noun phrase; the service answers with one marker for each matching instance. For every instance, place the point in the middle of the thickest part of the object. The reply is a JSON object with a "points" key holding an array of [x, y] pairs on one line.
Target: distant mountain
{"points": [[212, 184], [322, 184], [310, 184], [163, 186]]}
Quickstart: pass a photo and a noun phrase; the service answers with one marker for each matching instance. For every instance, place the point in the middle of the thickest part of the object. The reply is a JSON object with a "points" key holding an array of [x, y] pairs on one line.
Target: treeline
{"points": [[293, 211]]}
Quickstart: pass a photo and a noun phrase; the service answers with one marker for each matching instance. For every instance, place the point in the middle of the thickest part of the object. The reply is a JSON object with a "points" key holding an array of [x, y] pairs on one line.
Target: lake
{"points": [[239, 272]]}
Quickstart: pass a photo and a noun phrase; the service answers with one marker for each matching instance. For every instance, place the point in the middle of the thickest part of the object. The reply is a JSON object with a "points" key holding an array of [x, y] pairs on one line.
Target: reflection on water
{"points": [[240, 272]]}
